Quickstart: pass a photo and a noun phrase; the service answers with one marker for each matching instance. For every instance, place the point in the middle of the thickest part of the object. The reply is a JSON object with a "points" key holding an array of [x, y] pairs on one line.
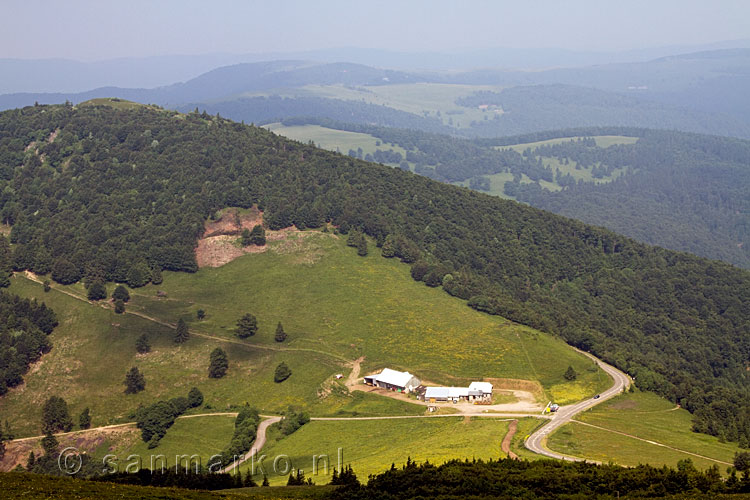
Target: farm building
{"points": [[393, 380], [477, 392]]}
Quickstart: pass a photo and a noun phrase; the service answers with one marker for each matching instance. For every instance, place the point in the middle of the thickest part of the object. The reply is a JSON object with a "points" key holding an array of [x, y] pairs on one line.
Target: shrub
{"points": [[282, 373]]}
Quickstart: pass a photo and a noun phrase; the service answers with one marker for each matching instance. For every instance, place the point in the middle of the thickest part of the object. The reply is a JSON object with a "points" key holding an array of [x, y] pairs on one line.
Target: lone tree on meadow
{"points": [[84, 419], [119, 306], [219, 363], [181, 334], [282, 373], [247, 326], [134, 381], [142, 345], [195, 397], [280, 333], [570, 374]]}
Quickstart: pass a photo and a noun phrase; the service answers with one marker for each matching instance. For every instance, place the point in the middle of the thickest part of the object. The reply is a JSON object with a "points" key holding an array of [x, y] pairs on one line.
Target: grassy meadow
{"points": [[654, 420], [424, 99], [332, 139], [369, 446], [602, 141], [335, 307]]}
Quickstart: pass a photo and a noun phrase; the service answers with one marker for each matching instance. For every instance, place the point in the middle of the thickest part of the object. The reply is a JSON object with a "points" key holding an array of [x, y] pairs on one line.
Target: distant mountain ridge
{"points": [[73, 76], [702, 92]]}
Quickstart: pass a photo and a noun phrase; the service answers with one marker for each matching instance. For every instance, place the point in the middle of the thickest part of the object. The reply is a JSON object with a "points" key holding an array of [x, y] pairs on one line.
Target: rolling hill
{"points": [[96, 193]]}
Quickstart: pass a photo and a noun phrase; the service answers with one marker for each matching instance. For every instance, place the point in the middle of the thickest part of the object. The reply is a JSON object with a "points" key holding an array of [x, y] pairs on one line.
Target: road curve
{"points": [[260, 440], [537, 441]]}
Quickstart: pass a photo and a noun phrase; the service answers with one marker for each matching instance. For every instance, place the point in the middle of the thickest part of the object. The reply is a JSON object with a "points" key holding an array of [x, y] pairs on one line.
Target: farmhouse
{"points": [[393, 380], [477, 393]]}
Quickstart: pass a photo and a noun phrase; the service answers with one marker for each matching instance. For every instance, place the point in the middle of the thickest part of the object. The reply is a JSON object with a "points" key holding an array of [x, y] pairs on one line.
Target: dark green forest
{"points": [[24, 326], [679, 190], [96, 193], [513, 479]]}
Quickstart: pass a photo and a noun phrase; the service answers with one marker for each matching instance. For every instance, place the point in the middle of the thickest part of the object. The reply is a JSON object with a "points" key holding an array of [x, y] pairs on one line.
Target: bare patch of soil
{"points": [[219, 245], [17, 452]]}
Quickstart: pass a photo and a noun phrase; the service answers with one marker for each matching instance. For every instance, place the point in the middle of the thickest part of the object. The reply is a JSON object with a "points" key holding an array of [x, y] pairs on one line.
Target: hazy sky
{"points": [[91, 30]]}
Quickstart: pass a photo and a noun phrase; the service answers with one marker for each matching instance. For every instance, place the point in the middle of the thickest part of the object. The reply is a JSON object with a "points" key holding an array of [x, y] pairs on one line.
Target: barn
{"points": [[477, 392], [393, 380]]}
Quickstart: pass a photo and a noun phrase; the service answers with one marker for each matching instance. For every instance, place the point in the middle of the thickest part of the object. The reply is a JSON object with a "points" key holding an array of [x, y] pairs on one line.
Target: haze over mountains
{"points": [[698, 92], [70, 76]]}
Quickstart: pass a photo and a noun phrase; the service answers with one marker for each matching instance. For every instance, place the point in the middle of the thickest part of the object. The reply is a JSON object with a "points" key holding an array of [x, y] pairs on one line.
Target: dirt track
{"points": [[505, 445]]}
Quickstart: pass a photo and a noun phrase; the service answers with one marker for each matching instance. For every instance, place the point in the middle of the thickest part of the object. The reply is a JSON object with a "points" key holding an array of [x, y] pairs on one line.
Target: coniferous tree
{"points": [[362, 246], [219, 363], [388, 249], [84, 419], [246, 239], [280, 335], [182, 334], [200, 314], [142, 345], [30, 461], [50, 444], [119, 306], [195, 397], [258, 236], [7, 432], [265, 480], [353, 239], [134, 381], [55, 416], [247, 326], [570, 374], [249, 482]]}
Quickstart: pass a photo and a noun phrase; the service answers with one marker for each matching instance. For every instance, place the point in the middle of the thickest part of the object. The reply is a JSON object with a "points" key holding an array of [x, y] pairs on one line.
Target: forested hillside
{"points": [[682, 191], [677, 190], [98, 193]]}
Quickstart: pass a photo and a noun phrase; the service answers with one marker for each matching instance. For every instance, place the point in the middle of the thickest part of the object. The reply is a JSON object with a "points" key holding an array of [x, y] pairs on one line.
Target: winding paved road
{"points": [[537, 441], [260, 440]]}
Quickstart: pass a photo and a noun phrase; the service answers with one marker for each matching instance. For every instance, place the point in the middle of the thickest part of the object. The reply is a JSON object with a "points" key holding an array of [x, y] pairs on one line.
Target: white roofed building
{"points": [[477, 392], [393, 380]]}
